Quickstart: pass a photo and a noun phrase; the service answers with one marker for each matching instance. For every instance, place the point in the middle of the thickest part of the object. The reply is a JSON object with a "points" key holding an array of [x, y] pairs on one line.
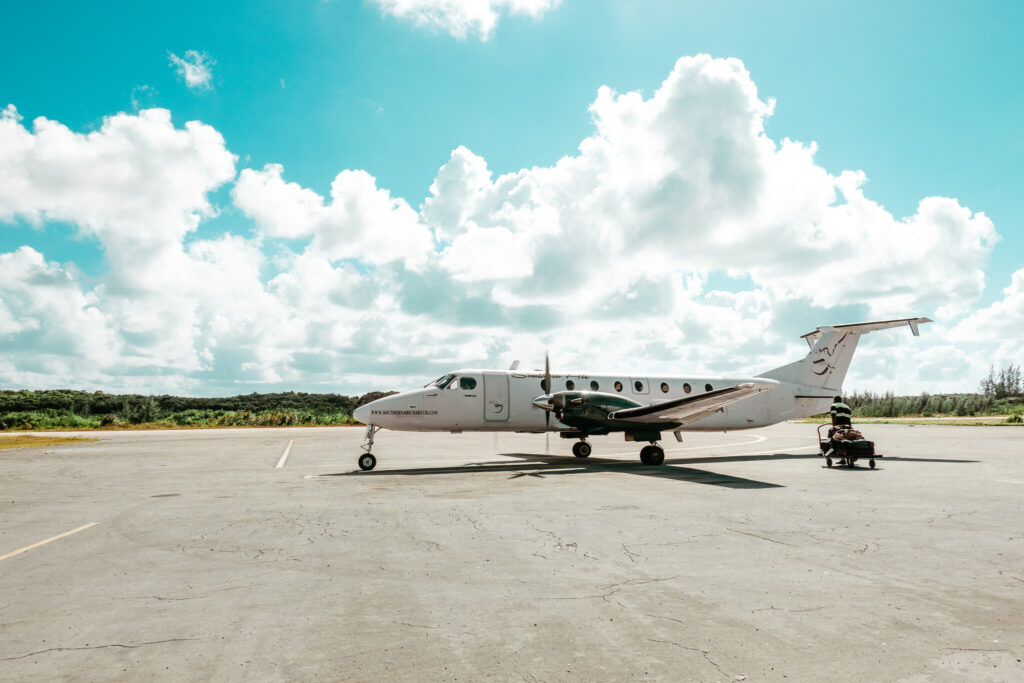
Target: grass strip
{"points": [[30, 441]]}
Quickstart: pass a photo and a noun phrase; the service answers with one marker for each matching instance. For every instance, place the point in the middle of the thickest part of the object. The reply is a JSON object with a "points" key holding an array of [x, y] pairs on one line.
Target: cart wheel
{"points": [[871, 463], [828, 462]]}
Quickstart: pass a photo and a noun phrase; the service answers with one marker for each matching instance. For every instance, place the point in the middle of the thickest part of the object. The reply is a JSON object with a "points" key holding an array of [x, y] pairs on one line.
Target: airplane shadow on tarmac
{"points": [[552, 465]]}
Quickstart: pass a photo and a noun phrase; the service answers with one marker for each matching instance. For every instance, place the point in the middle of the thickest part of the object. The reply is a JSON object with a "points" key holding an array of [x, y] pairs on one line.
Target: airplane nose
{"points": [[361, 414]]}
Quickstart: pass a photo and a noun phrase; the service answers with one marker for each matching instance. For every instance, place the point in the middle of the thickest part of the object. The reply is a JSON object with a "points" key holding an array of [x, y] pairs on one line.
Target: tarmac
{"points": [[265, 554]]}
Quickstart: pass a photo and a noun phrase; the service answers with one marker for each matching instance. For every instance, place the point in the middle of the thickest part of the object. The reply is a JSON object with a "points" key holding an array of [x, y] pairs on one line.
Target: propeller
{"points": [[547, 389], [547, 413]]}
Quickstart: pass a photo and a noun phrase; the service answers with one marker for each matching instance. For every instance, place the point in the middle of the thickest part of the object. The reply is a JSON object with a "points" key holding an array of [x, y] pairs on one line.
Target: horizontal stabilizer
{"points": [[863, 328]]}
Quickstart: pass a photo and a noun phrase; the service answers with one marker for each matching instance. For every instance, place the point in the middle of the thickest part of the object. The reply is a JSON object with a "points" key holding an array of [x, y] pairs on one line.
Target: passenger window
{"points": [[594, 386], [707, 387], [664, 387], [618, 386], [686, 388], [570, 385], [467, 383], [638, 386]]}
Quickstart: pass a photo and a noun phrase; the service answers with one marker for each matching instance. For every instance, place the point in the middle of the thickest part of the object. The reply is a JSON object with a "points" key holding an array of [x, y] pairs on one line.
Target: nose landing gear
{"points": [[367, 461], [652, 455]]}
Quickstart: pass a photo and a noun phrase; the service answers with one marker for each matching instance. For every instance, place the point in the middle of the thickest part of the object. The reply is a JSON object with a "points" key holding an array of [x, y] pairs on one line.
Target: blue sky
{"points": [[923, 97]]}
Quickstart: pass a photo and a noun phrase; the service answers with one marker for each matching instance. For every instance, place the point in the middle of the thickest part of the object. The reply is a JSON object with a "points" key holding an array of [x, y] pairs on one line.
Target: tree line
{"points": [[72, 409], [888, 404], [1000, 393], [1003, 384]]}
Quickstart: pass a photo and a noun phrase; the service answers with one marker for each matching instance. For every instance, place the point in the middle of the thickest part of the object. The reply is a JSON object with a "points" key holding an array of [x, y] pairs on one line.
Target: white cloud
{"points": [[687, 180], [1003, 320], [679, 237], [195, 67], [463, 17], [45, 314], [361, 222], [138, 185]]}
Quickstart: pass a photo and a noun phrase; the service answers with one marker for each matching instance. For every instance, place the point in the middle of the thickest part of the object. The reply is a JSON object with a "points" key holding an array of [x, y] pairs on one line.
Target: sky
{"points": [[216, 198]]}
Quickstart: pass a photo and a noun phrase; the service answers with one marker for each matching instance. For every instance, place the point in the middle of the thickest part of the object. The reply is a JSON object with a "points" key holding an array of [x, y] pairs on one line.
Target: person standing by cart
{"points": [[841, 415], [841, 412]]}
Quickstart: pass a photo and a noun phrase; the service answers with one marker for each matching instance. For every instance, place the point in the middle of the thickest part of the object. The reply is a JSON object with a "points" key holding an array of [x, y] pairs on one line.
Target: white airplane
{"points": [[585, 405]]}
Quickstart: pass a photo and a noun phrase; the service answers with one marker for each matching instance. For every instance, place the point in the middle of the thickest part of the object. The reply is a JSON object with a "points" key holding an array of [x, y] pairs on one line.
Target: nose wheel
{"points": [[366, 461], [652, 455], [582, 449]]}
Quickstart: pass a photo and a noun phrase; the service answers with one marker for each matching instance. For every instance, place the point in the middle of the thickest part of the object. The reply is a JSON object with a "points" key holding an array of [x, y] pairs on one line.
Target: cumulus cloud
{"points": [[138, 185], [361, 221], [687, 180], [1003, 320], [463, 17], [678, 237], [43, 307], [195, 67]]}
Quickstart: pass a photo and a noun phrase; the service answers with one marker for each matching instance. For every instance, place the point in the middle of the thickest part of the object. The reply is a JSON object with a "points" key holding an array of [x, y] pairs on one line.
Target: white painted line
{"points": [[57, 537], [284, 456], [1010, 481]]}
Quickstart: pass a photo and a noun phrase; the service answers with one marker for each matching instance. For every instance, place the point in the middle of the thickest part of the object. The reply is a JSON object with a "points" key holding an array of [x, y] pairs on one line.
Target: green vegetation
{"points": [[1001, 393], [932, 405], [70, 409]]}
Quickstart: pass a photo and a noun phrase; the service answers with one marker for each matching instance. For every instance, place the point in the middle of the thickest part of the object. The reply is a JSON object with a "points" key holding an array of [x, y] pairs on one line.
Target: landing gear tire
{"points": [[582, 449], [367, 462], [652, 455], [871, 463], [828, 462]]}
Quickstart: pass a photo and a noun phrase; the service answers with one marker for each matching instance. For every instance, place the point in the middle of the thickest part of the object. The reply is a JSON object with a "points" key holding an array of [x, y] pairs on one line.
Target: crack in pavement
{"points": [[630, 554], [763, 538], [405, 623], [638, 582], [157, 597], [98, 647], [603, 596], [705, 653]]}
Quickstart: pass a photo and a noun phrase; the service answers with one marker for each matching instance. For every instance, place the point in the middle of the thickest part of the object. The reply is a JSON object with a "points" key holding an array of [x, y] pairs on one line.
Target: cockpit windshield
{"points": [[442, 382]]}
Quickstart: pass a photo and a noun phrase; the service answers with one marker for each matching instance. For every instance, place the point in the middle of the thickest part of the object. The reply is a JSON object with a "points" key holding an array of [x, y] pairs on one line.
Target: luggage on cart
{"points": [[846, 445]]}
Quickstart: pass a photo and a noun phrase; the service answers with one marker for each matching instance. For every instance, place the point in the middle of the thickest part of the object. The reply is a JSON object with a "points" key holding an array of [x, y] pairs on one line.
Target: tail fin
{"points": [[831, 351]]}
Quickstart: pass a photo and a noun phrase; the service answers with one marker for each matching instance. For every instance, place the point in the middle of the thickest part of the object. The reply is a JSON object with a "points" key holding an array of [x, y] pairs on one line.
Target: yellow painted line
{"points": [[55, 538], [284, 456]]}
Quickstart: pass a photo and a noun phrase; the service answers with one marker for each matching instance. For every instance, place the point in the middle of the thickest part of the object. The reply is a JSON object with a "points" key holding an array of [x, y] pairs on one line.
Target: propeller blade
{"points": [[547, 389]]}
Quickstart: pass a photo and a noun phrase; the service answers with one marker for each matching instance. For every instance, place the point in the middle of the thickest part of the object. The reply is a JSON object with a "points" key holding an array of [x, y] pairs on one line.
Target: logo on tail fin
{"points": [[822, 366]]}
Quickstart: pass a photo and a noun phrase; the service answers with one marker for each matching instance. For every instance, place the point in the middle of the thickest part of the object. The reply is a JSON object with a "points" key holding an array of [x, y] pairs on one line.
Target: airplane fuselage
{"points": [[502, 400]]}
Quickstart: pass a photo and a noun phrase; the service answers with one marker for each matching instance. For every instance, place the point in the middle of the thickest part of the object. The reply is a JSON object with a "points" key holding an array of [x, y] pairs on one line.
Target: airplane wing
{"points": [[692, 408]]}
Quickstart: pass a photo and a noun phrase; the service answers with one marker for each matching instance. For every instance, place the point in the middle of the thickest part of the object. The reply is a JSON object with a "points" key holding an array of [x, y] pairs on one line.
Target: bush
{"points": [[70, 409]]}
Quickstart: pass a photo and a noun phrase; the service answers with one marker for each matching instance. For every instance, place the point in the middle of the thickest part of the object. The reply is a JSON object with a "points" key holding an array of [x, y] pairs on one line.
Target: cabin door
{"points": [[496, 397]]}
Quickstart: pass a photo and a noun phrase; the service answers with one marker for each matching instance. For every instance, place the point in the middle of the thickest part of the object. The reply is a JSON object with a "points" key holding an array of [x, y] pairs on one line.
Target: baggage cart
{"points": [[846, 451]]}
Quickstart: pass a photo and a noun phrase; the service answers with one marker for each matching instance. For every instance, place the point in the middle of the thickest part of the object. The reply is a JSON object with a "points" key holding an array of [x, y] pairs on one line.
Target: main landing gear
{"points": [[652, 455], [366, 461], [582, 449]]}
